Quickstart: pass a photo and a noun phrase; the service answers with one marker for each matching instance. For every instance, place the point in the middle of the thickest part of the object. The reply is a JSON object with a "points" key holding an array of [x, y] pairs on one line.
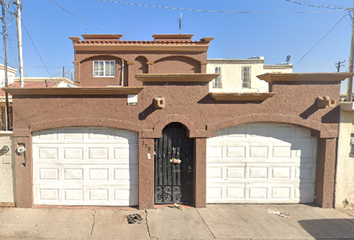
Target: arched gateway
{"points": [[174, 165]]}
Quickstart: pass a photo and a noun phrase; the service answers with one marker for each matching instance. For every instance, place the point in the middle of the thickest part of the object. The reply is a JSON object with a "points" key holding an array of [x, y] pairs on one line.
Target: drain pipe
{"points": [[122, 72]]}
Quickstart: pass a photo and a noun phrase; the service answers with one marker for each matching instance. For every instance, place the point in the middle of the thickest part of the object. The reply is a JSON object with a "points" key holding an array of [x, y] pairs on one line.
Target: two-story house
{"points": [[143, 128], [240, 75]]}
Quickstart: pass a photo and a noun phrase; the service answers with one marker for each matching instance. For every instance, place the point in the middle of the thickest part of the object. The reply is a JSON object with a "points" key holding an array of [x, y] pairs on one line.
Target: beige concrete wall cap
{"points": [[74, 91], [177, 77], [241, 96], [304, 77]]}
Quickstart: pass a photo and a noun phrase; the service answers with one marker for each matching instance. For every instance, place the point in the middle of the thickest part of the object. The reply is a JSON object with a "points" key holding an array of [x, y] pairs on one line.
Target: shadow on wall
{"points": [[329, 228], [331, 117]]}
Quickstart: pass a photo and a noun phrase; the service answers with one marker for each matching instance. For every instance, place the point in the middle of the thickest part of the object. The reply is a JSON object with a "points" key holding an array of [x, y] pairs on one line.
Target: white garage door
{"points": [[261, 163], [85, 166]]}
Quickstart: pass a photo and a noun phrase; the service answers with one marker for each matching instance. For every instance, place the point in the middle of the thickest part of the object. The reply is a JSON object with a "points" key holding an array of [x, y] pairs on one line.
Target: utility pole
{"points": [[5, 66], [350, 79], [19, 38], [339, 64]]}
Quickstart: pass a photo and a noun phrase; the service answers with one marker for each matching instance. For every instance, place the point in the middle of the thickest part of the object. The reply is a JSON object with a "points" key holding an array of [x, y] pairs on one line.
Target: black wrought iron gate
{"points": [[174, 165]]}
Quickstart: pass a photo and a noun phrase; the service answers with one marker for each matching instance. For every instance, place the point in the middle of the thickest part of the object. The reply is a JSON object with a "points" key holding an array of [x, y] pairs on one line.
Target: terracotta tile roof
{"points": [[31, 85], [137, 42]]}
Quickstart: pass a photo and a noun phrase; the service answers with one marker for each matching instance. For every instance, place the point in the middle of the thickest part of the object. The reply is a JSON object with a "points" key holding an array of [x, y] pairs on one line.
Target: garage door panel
{"points": [[73, 153], [215, 152], [258, 172], [85, 167], [72, 134], [259, 193], [258, 151], [302, 132], [280, 193], [282, 173], [281, 152], [238, 152], [281, 132], [73, 195], [279, 164], [235, 173], [73, 174]]}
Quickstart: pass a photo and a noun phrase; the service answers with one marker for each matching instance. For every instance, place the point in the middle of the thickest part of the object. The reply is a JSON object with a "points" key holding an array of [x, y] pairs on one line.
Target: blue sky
{"points": [[237, 35]]}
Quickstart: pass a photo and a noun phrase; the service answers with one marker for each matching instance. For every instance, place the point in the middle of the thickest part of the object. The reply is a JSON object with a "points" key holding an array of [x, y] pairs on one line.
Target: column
{"points": [[131, 77], [200, 173], [150, 67], [203, 67], [325, 172], [23, 170], [146, 173]]}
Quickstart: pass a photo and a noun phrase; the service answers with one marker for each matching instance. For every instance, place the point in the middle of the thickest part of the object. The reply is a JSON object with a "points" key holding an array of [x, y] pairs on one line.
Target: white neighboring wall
{"points": [[6, 170], [10, 75], [232, 71]]}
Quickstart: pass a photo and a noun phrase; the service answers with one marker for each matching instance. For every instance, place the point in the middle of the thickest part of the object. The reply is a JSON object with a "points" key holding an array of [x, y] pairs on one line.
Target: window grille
{"points": [[246, 77], [104, 68], [217, 81]]}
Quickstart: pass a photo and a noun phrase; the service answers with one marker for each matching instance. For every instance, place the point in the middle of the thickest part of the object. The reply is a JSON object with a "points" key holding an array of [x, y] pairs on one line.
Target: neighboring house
{"points": [[10, 75], [28, 83], [240, 75], [344, 188], [6, 137], [142, 128]]}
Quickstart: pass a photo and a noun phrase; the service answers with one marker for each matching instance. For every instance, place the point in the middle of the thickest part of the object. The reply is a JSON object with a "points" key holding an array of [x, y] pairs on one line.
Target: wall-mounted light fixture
{"points": [[21, 149]]}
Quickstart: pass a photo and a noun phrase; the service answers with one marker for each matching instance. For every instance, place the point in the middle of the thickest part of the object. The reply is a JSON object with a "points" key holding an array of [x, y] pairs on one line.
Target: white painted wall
{"points": [[10, 75], [344, 188], [6, 170], [231, 73]]}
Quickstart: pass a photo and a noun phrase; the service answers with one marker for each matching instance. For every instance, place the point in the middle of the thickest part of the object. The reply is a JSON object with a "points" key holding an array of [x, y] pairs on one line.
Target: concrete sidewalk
{"points": [[213, 222]]}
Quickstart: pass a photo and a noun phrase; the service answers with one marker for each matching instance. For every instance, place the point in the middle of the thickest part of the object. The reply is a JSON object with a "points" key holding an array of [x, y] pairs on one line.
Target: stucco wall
{"points": [[344, 193], [142, 62], [191, 105], [231, 75], [6, 171]]}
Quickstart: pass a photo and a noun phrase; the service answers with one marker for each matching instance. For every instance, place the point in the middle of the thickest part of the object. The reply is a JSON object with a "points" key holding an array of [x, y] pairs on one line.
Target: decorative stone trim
{"points": [[175, 77], [74, 91], [241, 96], [305, 77]]}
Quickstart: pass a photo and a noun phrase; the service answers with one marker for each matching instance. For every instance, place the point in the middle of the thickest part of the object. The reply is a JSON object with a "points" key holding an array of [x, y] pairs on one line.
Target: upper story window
{"points": [[246, 77], [104, 68], [217, 81]]}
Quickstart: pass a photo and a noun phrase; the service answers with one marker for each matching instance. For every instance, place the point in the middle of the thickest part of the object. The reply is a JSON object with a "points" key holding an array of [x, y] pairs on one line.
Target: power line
{"points": [[35, 48], [212, 11], [322, 38], [323, 4], [13, 55], [78, 17], [315, 5]]}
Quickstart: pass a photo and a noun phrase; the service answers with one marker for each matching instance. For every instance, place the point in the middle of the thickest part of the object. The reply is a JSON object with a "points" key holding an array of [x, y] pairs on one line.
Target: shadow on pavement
{"points": [[329, 228]]}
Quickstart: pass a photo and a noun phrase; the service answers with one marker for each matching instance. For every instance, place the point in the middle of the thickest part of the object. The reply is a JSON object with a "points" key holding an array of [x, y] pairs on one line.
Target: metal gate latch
{"points": [[174, 160]]}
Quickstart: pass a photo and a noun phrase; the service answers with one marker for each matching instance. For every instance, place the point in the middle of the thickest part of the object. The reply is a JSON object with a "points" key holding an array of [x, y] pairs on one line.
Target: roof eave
{"points": [[304, 77]]}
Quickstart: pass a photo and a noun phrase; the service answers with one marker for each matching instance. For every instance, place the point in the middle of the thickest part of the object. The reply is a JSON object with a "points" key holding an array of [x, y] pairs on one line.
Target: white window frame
{"points": [[217, 81], [102, 71], [246, 80]]}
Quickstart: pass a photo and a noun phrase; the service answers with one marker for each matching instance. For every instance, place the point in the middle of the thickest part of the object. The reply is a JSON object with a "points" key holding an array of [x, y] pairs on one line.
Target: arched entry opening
{"points": [[174, 166]]}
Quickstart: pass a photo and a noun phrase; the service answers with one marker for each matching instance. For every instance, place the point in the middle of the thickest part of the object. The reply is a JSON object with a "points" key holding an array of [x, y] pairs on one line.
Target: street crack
{"points": [[93, 221]]}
